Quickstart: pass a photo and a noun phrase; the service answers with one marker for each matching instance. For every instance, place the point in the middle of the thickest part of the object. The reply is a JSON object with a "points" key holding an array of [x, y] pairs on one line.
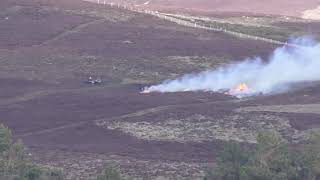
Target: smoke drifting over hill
{"points": [[286, 65]]}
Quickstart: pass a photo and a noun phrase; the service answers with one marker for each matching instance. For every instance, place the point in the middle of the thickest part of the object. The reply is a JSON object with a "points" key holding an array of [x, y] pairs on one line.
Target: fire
{"points": [[242, 87], [240, 91]]}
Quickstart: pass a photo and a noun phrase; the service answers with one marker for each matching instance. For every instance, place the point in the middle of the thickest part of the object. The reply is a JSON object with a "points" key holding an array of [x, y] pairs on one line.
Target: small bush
{"points": [[15, 166], [271, 159], [109, 173]]}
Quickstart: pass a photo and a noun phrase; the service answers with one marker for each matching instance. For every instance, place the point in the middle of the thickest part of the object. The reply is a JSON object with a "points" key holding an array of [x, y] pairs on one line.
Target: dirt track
{"points": [[67, 122]]}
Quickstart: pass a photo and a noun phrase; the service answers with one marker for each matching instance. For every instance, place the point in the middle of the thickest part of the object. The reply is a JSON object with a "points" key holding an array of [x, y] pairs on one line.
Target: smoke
{"points": [[286, 66]]}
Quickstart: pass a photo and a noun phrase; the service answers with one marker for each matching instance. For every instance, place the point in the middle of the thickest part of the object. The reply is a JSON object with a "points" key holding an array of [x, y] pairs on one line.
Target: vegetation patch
{"points": [[272, 158], [242, 127], [295, 108]]}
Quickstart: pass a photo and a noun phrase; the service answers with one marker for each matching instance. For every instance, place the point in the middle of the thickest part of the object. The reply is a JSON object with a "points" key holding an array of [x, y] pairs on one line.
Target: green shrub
{"points": [[109, 173], [33, 173], [5, 139], [15, 166], [271, 159]]}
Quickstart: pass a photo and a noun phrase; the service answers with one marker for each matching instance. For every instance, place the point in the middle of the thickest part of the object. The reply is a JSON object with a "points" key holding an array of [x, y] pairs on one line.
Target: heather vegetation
{"points": [[272, 158], [15, 164]]}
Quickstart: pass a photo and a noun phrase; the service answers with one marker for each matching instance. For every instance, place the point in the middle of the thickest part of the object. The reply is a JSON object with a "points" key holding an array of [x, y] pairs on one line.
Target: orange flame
{"points": [[242, 87]]}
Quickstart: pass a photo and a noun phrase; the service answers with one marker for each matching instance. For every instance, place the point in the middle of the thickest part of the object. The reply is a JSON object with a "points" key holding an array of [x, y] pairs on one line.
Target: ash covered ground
{"points": [[49, 49]]}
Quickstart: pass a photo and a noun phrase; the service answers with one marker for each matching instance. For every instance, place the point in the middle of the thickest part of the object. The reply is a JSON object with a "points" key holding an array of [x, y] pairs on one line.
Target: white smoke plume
{"points": [[286, 65]]}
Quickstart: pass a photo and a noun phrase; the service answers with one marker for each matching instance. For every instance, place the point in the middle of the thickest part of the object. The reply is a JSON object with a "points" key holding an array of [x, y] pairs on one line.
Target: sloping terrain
{"points": [[307, 9], [49, 49]]}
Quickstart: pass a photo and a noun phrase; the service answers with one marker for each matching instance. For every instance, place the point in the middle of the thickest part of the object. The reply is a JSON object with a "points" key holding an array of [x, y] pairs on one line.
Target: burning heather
{"points": [[241, 90], [286, 66]]}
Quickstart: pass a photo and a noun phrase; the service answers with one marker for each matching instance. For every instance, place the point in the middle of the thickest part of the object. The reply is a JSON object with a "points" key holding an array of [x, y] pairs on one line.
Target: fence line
{"points": [[189, 23]]}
